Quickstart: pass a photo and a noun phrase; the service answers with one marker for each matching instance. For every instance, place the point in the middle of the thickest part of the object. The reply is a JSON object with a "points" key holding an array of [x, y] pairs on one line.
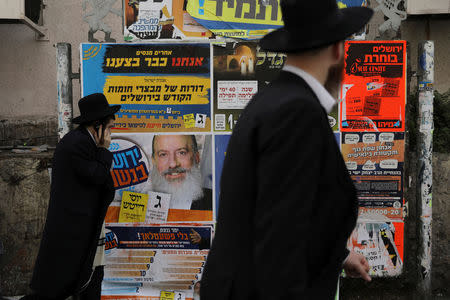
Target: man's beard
{"points": [[334, 78], [183, 192]]}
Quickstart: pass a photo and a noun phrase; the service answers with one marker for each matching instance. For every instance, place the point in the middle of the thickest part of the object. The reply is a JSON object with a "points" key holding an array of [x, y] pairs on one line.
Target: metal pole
{"points": [[425, 170], [64, 86]]}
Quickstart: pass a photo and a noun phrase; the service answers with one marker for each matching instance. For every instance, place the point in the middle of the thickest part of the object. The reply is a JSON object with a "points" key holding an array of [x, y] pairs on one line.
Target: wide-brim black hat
{"points": [[94, 107], [310, 24]]}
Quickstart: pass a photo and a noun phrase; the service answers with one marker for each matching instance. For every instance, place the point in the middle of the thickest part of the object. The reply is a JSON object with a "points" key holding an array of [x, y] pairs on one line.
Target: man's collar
{"points": [[326, 100], [85, 128]]}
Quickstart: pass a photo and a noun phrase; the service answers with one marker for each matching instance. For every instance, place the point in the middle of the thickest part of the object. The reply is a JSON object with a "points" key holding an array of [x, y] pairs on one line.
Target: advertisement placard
{"points": [[156, 84], [373, 91]]}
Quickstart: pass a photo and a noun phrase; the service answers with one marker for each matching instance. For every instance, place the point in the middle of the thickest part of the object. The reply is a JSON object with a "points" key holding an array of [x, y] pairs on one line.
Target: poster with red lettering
{"points": [[373, 90]]}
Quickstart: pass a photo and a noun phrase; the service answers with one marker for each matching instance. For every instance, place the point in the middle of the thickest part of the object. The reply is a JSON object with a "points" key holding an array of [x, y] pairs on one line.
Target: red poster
{"points": [[374, 86]]}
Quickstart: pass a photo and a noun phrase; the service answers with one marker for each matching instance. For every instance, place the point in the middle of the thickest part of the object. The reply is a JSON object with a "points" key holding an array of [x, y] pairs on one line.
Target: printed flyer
{"points": [[237, 19], [240, 70], [382, 244], [174, 170], [373, 91], [161, 87], [375, 162], [160, 19], [144, 261]]}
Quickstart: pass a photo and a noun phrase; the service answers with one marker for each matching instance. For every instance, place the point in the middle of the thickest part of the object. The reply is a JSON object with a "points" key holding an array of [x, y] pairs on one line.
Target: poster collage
{"points": [[182, 78]]}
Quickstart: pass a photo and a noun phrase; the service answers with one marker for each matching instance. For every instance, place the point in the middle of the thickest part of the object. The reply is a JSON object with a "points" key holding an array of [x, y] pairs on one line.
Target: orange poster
{"points": [[374, 86]]}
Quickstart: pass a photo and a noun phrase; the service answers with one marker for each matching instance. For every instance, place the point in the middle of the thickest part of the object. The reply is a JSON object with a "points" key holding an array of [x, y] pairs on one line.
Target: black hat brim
{"points": [[337, 27], [109, 111]]}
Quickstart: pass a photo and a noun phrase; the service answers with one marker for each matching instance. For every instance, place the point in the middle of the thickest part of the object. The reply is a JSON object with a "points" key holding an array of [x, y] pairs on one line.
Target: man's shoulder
{"points": [[75, 137], [286, 94]]}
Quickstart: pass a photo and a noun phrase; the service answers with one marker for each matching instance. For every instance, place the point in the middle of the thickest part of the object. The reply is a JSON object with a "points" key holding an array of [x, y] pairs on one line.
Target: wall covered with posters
{"points": [[181, 96], [372, 124], [168, 153]]}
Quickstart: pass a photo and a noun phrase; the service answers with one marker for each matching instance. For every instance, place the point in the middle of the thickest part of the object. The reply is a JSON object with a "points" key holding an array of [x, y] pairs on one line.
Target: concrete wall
{"points": [[28, 67]]}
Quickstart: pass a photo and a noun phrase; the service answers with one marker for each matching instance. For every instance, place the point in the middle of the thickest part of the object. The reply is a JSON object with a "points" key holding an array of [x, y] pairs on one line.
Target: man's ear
{"points": [[338, 51]]}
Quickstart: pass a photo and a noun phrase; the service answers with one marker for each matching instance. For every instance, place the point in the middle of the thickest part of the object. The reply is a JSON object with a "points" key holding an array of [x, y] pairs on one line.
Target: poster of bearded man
{"points": [[173, 169]]}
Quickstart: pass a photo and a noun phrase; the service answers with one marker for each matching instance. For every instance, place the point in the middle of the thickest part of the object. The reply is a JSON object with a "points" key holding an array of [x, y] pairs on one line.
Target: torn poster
{"points": [[160, 19], [243, 19]]}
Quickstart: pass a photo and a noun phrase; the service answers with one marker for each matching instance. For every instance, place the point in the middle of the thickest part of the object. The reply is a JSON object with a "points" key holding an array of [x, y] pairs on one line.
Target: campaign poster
{"points": [[174, 170], [240, 70], [148, 260], [382, 244], [375, 161], [237, 19], [160, 19], [373, 90], [161, 87]]}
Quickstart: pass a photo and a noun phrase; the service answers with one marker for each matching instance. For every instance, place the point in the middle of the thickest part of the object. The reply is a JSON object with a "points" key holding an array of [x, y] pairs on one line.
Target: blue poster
{"points": [[221, 144]]}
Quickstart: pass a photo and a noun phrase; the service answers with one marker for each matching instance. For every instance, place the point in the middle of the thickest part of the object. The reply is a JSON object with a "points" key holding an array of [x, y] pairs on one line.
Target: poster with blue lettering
{"points": [[220, 144], [175, 170], [161, 87]]}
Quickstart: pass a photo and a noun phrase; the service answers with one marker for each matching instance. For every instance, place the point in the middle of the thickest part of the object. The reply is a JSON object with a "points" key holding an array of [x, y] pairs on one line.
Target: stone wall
{"points": [[24, 190]]}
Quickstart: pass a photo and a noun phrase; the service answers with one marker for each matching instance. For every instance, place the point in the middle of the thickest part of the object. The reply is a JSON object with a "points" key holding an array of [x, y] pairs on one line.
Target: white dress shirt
{"points": [[326, 100]]}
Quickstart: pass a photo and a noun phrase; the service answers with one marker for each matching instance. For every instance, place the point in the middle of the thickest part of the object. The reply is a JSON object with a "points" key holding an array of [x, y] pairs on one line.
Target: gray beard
{"points": [[183, 193]]}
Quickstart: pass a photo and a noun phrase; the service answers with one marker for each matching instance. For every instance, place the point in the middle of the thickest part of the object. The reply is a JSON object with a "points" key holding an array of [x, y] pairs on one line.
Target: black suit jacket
{"points": [[81, 191], [203, 203], [287, 203]]}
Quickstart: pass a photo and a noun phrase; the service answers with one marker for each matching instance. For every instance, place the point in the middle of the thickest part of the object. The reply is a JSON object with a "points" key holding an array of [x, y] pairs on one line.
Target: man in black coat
{"points": [[287, 204], [81, 191]]}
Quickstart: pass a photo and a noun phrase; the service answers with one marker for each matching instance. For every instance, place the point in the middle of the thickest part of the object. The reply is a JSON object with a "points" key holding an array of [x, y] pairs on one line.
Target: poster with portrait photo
{"points": [[178, 167]]}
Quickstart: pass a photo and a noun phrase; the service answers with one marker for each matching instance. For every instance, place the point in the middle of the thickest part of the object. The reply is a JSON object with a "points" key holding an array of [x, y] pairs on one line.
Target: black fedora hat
{"points": [[310, 24], [94, 107]]}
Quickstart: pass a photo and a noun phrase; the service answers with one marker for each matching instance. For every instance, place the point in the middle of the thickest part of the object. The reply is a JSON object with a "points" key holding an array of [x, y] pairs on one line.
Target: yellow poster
{"points": [[167, 90], [237, 19], [167, 295], [133, 207]]}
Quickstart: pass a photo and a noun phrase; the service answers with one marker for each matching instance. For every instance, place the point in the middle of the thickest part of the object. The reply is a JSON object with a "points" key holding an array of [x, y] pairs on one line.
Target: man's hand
{"points": [[356, 265], [103, 140], [194, 237]]}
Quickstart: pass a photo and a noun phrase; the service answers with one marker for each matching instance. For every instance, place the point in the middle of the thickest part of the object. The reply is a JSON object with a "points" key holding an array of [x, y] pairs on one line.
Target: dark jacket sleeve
{"points": [[90, 162]]}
